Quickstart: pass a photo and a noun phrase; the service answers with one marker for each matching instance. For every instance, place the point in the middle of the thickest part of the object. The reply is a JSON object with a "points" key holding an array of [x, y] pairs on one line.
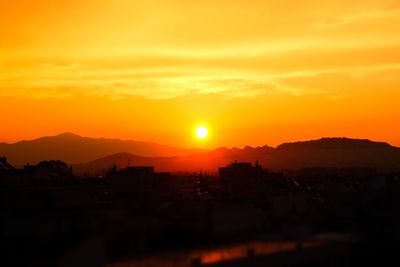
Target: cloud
{"points": [[66, 80], [384, 13]]}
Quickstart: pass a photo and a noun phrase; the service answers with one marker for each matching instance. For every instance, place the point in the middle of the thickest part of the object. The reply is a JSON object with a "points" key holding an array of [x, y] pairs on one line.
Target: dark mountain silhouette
{"points": [[73, 148], [326, 152], [337, 152]]}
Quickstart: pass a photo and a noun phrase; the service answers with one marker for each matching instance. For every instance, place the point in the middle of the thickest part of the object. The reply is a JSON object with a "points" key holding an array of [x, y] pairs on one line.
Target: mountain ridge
{"points": [[87, 154], [324, 152], [73, 148]]}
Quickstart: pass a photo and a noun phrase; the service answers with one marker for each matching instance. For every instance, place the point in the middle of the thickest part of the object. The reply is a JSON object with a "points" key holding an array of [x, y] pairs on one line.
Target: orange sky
{"points": [[256, 72]]}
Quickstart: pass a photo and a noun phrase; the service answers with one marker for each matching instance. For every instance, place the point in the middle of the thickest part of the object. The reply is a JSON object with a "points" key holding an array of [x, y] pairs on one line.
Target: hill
{"points": [[74, 149], [326, 152]]}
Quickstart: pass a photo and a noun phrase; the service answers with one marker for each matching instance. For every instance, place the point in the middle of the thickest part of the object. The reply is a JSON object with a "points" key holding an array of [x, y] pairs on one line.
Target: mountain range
{"points": [[326, 152], [95, 155], [74, 149]]}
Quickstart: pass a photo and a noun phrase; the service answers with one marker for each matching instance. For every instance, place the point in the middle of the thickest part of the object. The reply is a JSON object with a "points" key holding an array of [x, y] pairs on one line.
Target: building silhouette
{"points": [[239, 174], [139, 184]]}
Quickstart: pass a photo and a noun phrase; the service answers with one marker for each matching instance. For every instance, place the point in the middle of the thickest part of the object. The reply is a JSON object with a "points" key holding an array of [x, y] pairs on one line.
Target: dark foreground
{"points": [[244, 216]]}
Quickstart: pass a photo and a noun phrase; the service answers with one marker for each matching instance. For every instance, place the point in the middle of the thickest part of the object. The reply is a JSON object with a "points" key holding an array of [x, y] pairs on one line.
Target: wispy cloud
{"points": [[340, 21], [384, 13], [68, 80]]}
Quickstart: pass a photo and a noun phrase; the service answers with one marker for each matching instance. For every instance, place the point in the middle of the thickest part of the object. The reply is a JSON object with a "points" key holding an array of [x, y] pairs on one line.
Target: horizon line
{"points": [[193, 148]]}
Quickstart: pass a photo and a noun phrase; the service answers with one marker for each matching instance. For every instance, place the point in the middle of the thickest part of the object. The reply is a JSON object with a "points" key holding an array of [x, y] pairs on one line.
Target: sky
{"points": [[254, 72]]}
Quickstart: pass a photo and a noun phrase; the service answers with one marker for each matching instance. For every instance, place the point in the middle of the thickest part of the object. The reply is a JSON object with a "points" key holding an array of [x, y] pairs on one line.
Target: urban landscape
{"points": [[136, 216]]}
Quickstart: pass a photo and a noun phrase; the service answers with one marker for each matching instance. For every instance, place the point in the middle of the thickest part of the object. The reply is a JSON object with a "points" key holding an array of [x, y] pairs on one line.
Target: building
{"points": [[240, 174], [139, 184]]}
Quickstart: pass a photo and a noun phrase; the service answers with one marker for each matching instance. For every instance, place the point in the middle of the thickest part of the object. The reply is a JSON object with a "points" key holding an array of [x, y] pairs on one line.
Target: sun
{"points": [[201, 132]]}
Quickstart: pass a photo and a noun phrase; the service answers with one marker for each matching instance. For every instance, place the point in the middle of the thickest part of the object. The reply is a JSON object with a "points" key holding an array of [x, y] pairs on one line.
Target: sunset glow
{"points": [[261, 72], [201, 132]]}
